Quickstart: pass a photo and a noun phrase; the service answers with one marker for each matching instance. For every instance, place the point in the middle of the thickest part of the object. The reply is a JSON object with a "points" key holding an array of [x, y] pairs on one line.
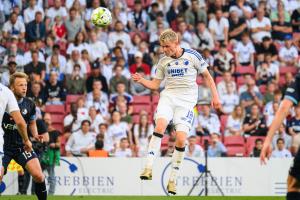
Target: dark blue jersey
{"points": [[12, 138]]}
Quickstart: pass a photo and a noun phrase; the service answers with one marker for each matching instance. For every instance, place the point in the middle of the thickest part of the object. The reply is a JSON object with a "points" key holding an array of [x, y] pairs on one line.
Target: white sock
{"points": [[177, 159], [153, 149]]}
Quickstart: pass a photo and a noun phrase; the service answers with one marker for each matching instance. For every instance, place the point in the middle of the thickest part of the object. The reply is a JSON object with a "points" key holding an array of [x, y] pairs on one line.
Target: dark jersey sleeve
{"points": [[33, 112], [292, 93], [41, 126]]}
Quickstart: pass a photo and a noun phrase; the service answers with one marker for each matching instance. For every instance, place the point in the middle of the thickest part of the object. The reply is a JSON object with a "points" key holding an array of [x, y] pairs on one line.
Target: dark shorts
{"points": [[19, 155], [295, 169]]}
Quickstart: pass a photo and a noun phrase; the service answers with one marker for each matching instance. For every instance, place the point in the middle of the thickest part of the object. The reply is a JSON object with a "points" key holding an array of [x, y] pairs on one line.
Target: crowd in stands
{"points": [[80, 74]]}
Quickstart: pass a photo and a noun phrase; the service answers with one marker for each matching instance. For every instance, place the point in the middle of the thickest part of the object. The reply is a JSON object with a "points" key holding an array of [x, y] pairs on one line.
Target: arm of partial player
{"points": [[151, 84]]}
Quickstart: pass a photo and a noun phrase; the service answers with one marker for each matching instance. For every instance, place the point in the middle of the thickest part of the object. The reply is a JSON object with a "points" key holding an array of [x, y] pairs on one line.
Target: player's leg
{"points": [[5, 162], [164, 114], [30, 162], [293, 181], [183, 119]]}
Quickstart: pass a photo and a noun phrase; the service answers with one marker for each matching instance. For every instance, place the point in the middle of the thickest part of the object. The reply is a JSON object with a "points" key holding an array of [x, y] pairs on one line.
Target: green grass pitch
{"points": [[137, 198]]}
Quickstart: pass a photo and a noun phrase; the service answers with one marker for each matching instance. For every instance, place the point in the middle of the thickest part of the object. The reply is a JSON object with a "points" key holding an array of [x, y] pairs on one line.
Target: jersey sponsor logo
{"points": [[9, 126], [291, 90], [177, 71]]}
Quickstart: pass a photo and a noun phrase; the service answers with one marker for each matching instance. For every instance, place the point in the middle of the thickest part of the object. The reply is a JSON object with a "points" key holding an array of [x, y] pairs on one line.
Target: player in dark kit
{"points": [[13, 144], [292, 97]]}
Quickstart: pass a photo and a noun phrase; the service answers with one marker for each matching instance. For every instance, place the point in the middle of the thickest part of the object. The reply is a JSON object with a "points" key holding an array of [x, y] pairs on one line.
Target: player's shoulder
{"points": [[29, 102], [193, 53]]}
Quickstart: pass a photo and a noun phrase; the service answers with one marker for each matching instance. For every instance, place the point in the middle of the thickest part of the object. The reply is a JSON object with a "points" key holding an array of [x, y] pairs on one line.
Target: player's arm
{"points": [[211, 84], [151, 84], [21, 124], [44, 137]]}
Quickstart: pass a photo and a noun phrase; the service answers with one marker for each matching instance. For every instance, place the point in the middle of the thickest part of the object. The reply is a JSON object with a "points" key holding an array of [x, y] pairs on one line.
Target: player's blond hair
{"points": [[167, 36], [16, 75]]}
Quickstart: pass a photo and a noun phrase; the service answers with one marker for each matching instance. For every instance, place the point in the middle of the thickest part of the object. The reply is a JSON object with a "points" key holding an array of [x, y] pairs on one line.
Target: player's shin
{"points": [[177, 159], [41, 191], [153, 149]]}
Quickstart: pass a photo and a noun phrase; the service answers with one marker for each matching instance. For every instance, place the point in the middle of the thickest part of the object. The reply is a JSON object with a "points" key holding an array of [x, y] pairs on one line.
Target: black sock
{"points": [[293, 196], [20, 183], [41, 191]]}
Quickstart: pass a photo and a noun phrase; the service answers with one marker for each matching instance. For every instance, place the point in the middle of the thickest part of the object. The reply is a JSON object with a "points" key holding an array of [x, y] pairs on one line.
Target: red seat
{"points": [[240, 80], [219, 79], [130, 4], [141, 100], [234, 141], [165, 141], [71, 98], [282, 81], [233, 151], [138, 108], [263, 89], [155, 99], [291, 69], [59, 127], [135, 119], [245, 69], [55, 109], [203, 138], [223, 120], [250, 143]]}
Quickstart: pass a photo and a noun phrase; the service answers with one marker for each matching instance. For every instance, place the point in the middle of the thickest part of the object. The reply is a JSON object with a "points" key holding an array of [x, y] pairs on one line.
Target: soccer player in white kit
{"points": [[180, 67]]}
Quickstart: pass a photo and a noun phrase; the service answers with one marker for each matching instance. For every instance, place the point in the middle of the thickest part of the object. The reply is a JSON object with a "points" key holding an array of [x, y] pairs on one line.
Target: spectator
{"points": [[137, 18], [266, 48], [136, 88], [97, 86], [59, 30], [260, 26], [73, 25], [57, 10], [81, 141], [204, 93], [78, 44], [125, 116], [141, 131], [159, 20], [170, 149], [275, 14], [251, 97], [119, 14], [195, 14], [193, 149], [36, 70], [75, 59], [248, 79], [281, 151], [217, 5], [36, 93], [218, 27], [117, 130], [103, 134], [54, 65], [270, 92], [119, 34], [224, 61], [234, 125], [75, 83], [51, 157], [216, 147], [244, 51], [13, 53], [121, 91], [207, 123], [281, 28], [123, 150], [13, 28], [30, 12], [254, 124], [294, 123], [96, 76], [62, 62], [288, 54], [281, 133], [242, 8], [33, 47], [99, 151], [96, 119], [118, 78], [138, 63], [257, 148], [97, 49], [202, 38], [12, 66], [226, 82], [266, 73], [186, 36], [229, 100], [296, 20], [36, 29], [98, 99], [175, 12], [54, 90], [270, 117], [237, 25]]}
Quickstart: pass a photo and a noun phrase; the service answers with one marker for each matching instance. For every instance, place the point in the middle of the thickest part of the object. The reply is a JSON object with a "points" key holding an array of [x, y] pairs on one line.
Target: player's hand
{"points": [[39, 138], [136, 77], [216, 104], [265, 152], [27, 146]]}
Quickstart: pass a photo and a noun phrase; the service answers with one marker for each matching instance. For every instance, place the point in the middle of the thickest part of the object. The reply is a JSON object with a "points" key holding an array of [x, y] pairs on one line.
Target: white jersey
{"points": [[180, 75], [8, 102]]}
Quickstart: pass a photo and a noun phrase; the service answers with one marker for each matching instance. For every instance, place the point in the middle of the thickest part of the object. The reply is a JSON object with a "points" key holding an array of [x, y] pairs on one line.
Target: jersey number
{"points": [[27, 155], [190, 116]]}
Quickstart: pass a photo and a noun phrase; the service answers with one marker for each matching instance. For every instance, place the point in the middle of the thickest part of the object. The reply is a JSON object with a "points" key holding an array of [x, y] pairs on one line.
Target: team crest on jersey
{"points": [[24, 111]]}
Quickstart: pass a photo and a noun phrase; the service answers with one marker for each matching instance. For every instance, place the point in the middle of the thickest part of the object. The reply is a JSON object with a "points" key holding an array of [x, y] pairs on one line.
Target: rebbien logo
{"points": [[177, 71]]}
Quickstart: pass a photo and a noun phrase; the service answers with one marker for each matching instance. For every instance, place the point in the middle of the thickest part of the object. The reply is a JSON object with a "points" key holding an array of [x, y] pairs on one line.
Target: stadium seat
{"points": [[245, 70], [138, 108], [164, 142], [130, 4], [263, 89], [233, 151], [71, 98], [55, 109], [250, 143], [223, 120], [155, 99], [240, 81], [219, 79], [141, 100], [57, 118], [282, 81], [284, 70], [59, 127], [234, 141], [203, 138]]}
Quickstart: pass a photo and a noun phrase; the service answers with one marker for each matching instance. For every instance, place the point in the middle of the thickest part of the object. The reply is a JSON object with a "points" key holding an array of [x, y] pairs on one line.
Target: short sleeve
{"points": [[12, 104], [292, 92], [159, 72], [199, 62], [33, 113]]}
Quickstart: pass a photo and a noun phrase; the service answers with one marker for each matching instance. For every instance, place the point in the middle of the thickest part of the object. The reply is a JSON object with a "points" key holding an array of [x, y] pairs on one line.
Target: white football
{"points": [[101, 17]]}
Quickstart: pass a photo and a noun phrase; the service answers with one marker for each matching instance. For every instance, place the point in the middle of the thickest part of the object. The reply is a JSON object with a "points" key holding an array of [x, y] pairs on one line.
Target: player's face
{"points": [[169, 48], [19, 88]]}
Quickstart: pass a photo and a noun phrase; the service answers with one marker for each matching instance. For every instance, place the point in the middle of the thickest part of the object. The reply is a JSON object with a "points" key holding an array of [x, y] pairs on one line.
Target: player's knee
{"points": [[39, 177]]}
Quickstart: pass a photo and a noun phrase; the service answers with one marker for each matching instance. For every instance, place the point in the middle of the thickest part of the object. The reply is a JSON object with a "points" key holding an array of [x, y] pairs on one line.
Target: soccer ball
{"points": [[101, 17]]}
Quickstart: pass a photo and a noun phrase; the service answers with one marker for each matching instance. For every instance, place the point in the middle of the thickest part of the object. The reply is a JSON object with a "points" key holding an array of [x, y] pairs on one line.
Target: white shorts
{"points": [[170, 108]]}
